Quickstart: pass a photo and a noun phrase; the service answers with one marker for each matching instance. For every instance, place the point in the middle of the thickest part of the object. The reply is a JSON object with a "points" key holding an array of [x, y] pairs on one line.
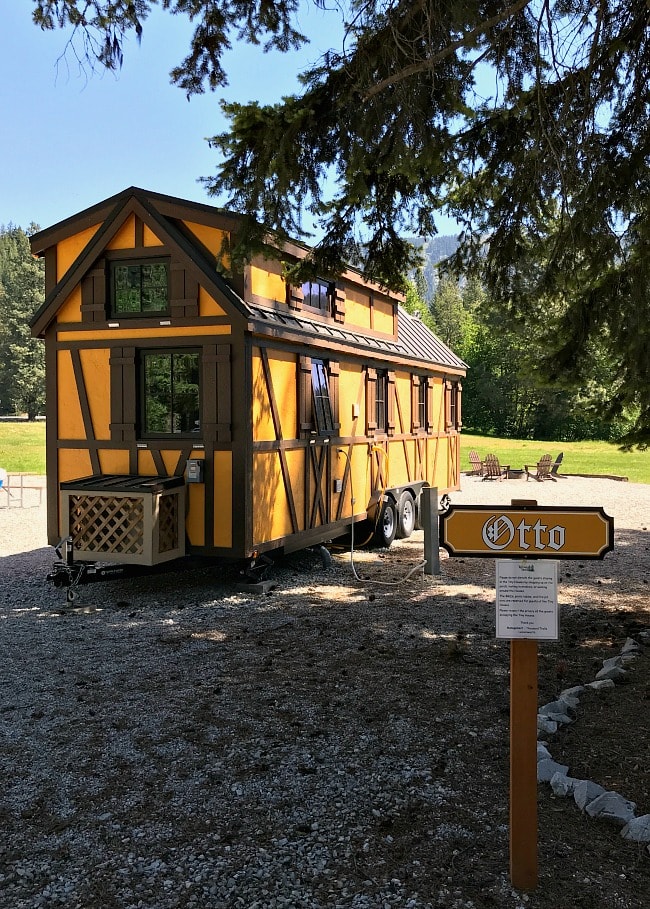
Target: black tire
{"points": [[386, 527], [406, 515]]}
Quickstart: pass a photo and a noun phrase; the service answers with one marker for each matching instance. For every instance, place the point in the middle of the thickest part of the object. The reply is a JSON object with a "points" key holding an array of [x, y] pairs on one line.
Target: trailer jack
{"points": [[257, 568], [65, 571]]}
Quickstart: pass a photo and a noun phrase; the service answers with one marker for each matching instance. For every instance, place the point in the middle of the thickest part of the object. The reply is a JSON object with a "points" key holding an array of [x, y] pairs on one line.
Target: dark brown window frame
{"points": [[140, 358], [130, 261], [381, 401], [328, 307], [307, 417], [422, 404], [323, 413]]}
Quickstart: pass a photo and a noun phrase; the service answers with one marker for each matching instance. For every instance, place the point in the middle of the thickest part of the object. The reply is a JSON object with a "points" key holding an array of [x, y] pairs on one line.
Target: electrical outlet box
{"points": [[195, 472], [338, 485]]}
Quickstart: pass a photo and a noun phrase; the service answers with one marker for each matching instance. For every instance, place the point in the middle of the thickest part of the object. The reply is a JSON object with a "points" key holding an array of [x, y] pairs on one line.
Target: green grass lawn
{"points": [[22, 450], [579, 457], [22, 447]]}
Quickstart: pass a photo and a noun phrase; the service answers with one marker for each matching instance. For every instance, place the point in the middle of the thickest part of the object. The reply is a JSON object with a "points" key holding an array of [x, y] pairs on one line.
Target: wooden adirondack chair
{"points": [[476, 464], [556, 466], [492, 470], [542, 469]]}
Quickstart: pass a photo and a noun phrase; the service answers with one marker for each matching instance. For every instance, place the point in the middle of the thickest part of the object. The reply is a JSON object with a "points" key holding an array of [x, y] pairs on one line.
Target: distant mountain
{"points": [[434, 250]]}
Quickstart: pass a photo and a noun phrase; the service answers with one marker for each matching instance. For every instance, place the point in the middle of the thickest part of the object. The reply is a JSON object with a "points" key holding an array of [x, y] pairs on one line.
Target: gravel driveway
{"points": [[172, 743]]}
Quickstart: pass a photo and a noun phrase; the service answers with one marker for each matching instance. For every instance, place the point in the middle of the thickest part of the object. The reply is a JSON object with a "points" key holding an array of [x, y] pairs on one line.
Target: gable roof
{"points": [[161, 214], [115, 211]]}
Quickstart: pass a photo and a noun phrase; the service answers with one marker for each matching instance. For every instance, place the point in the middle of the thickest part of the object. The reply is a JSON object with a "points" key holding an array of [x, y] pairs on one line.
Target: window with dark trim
{"points": [[170, 397], [381, 401], [318, 295], [139, 287], [422, 404], [318, 382], [323, 416], [453, 417]]}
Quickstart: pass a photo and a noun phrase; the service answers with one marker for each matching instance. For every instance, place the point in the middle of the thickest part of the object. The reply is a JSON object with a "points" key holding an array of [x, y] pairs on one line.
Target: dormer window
{"points": [[139, 288], [318, 294]]}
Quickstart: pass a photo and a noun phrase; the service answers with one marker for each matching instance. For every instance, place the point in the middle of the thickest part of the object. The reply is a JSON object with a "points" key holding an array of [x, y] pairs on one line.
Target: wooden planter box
{"points": [[128, 519]]}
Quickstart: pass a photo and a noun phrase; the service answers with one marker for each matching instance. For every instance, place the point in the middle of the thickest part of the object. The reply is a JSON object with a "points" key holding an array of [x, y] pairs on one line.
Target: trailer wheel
{"points": [[386, 528], [405, 516]]}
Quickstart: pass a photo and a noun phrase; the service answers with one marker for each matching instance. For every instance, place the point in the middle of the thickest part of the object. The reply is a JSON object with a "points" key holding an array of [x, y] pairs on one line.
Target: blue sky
{"points": [[71, 139]]}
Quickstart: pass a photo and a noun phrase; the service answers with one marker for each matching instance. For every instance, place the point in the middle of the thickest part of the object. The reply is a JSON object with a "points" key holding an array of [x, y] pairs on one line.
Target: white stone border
{"points": [[591, 798]]}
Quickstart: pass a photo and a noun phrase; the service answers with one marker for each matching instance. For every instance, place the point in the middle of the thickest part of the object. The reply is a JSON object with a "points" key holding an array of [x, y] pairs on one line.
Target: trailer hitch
{"points": [[66, 572]]}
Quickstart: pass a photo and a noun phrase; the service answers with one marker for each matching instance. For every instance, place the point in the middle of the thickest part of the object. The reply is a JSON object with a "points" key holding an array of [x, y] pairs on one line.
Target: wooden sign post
{"points": [[523, 764], [530, 534]]}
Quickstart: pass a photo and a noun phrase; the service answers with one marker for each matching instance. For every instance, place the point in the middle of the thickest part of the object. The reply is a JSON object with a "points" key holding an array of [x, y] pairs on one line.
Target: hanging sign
{"points": [[540, 532]]}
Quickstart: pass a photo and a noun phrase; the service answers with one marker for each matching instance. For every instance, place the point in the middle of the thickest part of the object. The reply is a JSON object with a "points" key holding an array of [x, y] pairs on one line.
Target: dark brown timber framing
{"points": [[316, 399]]}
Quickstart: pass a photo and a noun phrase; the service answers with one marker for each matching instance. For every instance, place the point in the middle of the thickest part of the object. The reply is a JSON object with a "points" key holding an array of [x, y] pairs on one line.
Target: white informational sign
{"points": [[527, 599]]}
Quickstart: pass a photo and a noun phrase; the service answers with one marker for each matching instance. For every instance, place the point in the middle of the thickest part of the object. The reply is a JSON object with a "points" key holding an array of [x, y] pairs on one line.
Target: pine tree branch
{"points": [[448, 51]]}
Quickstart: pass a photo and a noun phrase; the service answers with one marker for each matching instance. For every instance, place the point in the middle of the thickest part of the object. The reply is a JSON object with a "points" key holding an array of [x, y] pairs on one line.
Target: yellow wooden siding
{"points": [[95, 366], [70, 311], [125, 236], [383, 316], [171, 332], [268, 282], [360, 480], [74, 463], [170, 460], [271, 514], [114, 461], [67, 250], [223, 499], [70, 420], [208, 306], [195, 520], [149, 237], [282, 367], [263, 430], [398, 474], [357, 314], [146, 463], [351, 393], [212, 238]]}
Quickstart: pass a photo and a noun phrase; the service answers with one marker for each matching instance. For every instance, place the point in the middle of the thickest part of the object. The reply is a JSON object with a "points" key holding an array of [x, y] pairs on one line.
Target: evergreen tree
{"points": [[22, 360], [396, 117]]}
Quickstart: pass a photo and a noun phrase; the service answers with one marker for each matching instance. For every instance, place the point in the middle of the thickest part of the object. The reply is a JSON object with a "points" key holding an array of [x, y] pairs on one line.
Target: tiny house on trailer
{"points": [[195, 411]]}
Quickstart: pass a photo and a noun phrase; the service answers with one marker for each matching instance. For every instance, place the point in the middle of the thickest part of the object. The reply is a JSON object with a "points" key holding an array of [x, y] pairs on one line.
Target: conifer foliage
{"points": [[546, 168], [22, 359]]}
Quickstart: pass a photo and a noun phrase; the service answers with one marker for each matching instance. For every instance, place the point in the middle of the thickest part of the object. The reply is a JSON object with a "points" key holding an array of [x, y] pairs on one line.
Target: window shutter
{"points": [[123, 394], [429, 399], [93, 294], [304, 396], [216, 424], [338, 304], [371, 401], [415, 401], [295, 297], [390, 403], [333, 372], [184, 293], [448, 394]]}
